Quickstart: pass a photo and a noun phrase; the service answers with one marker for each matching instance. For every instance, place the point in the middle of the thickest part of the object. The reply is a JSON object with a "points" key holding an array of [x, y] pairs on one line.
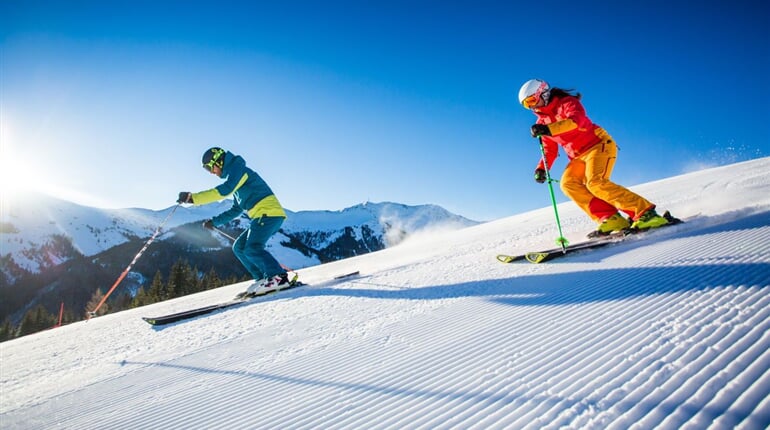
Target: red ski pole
{"points": [[136, 257]]}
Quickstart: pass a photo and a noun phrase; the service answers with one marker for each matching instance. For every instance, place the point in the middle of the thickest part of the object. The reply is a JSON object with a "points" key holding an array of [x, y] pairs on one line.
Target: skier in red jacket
{"points": [[562, 121]]}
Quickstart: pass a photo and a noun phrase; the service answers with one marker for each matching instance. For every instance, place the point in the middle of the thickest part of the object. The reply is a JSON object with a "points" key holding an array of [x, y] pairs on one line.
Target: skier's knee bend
{"points": [[597, 185], [570, 187]]}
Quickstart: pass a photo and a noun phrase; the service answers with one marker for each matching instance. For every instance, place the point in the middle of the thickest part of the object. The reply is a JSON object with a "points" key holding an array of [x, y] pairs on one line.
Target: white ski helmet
{"points": [[533, 91]]}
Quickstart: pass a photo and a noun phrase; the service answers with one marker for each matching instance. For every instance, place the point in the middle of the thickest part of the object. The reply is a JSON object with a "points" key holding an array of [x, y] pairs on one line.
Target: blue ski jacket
{"points": [[250, 192]]}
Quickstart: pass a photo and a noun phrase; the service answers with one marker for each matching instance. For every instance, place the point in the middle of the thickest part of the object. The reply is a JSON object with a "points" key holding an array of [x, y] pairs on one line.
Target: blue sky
{"points": [[336, 103]]}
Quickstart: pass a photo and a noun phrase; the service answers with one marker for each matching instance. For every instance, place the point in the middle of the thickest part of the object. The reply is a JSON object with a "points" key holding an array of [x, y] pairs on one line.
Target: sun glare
{"points": [[9, 178], [20, 178], [19, 181], [16, 182], [15, 175]]}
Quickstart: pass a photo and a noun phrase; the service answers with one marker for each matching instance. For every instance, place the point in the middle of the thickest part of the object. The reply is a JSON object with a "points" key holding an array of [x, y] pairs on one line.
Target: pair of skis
{"points": [[238, 300], [537, 257]]}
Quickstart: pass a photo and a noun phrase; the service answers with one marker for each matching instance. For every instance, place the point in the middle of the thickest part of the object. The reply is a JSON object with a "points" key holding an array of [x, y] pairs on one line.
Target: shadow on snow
{"points": [[594, 285], [578, 286]]}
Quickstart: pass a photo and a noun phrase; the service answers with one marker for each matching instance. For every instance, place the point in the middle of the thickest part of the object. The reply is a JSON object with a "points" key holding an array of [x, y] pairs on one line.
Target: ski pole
{"points": [[561, 240], [232, 239], [130, 265]]}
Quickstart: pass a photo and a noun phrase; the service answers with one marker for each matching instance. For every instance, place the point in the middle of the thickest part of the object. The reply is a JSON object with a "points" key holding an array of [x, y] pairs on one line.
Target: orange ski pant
{"points": [[586, 180]]}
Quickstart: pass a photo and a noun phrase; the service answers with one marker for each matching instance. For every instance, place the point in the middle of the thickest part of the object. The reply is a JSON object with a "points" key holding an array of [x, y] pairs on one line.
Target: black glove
{"points": [[185, 197], [540, 176], [209, 224], [538, 130]]}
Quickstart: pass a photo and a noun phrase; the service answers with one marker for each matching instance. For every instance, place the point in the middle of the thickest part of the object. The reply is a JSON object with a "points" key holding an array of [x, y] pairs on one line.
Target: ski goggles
{"points": [[210, 165], [531, 101], [216, 160]]}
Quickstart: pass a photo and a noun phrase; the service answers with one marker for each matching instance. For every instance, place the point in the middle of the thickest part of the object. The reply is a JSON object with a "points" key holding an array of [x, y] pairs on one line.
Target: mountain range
{"points": [[57, 251]]}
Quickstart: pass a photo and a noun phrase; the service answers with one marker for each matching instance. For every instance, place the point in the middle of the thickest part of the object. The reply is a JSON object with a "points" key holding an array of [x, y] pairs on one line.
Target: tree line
{"points": [[182, 279]]}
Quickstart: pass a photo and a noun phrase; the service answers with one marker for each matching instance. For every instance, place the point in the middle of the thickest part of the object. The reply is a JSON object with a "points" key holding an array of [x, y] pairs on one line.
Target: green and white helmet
{"points": [[533, 91]]}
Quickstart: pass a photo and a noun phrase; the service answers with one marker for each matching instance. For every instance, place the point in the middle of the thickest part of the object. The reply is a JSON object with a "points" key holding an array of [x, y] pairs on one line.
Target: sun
{"points": [[11, 175], [18, 184], [23, 176], [18, 175]]}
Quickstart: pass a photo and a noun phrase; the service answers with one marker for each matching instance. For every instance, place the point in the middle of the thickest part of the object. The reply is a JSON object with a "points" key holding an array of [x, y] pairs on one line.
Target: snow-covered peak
{"points": [[29, 222], [416, 217]]}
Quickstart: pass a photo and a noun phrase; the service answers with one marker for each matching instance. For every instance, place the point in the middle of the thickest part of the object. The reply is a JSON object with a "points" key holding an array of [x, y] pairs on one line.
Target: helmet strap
{"points": [[546, 96]]}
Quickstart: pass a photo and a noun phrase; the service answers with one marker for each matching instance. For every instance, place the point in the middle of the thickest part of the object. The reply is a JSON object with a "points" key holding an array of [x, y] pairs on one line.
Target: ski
{"points": [[238, 300], [543, 255], [554, 253], [347, 275], [192, 313]]}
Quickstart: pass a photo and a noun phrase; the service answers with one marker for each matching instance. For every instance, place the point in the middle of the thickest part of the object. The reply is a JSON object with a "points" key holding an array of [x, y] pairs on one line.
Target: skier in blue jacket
{"points": [[254, 197]]}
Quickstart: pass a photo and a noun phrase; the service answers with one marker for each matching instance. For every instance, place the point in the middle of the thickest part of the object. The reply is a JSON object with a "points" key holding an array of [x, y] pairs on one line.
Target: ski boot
{"points": [[610, 225]]}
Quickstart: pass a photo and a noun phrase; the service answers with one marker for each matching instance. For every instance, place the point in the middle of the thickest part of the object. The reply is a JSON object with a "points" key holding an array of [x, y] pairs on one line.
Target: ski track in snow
{"points": [[667, 330]]}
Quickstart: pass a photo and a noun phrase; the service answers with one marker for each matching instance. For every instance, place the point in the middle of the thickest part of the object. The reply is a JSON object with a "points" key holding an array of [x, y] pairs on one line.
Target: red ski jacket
{"points": [[570, 128]]}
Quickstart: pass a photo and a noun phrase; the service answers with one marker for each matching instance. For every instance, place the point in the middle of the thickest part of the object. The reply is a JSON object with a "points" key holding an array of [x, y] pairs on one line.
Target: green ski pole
{"points": [[561, 240]]}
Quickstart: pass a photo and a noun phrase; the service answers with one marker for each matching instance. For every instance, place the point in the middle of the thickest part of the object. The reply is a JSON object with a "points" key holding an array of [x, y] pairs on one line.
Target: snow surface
{"points": [[666, 330]]}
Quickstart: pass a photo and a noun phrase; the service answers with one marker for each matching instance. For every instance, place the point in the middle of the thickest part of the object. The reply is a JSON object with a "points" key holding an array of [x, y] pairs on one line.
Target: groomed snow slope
{"points": [[666, 330]]}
